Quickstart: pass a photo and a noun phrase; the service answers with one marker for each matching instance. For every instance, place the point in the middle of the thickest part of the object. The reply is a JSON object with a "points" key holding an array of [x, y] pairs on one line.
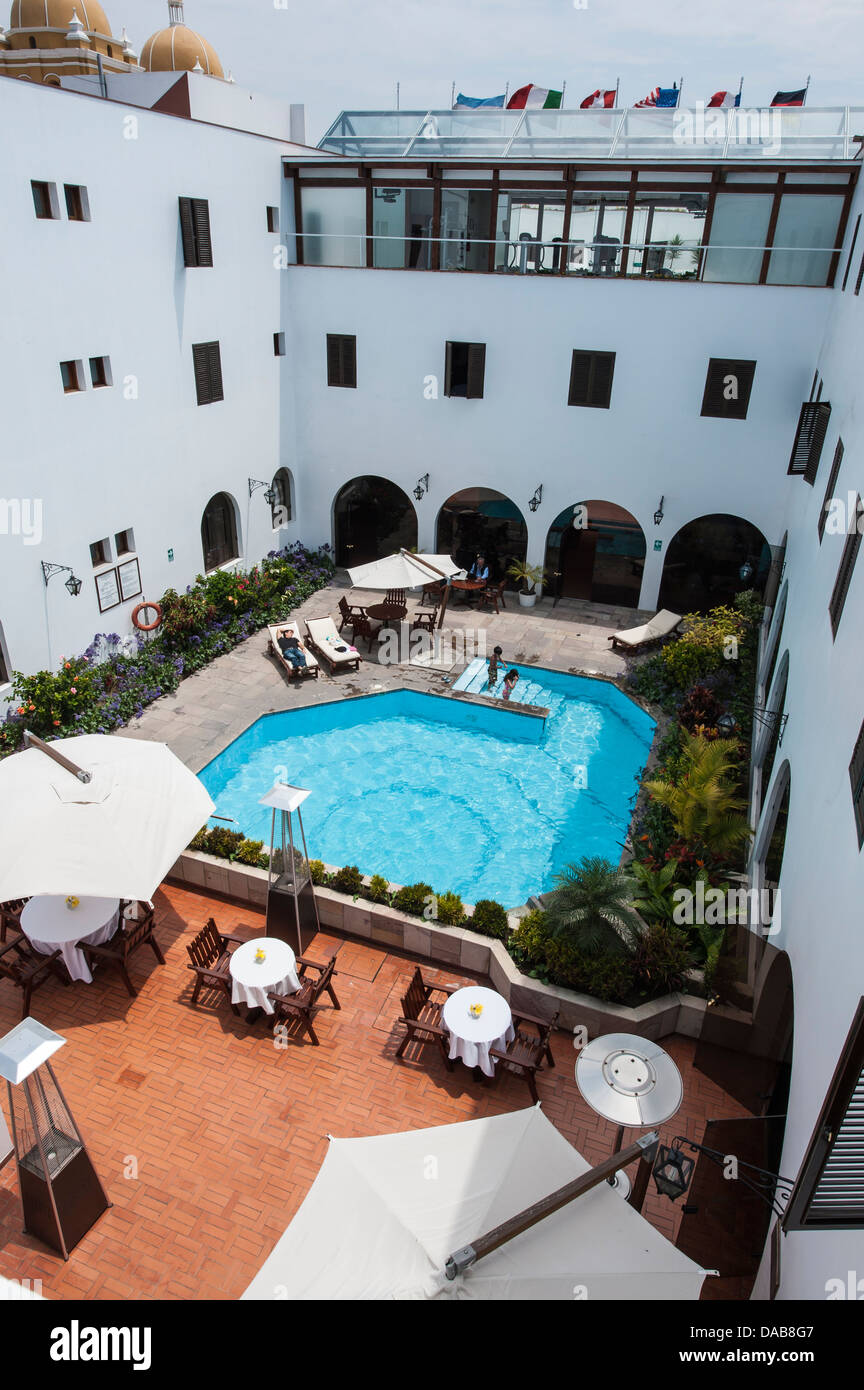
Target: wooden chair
{"points": [[494, 594], [10, 917], [210, 954], [348, 612], [28, 968], [431, 594], [425, 621], [421, 1016], [133, 933], [364, 627], [301, 1007], [395, 596], [525, 1053]]}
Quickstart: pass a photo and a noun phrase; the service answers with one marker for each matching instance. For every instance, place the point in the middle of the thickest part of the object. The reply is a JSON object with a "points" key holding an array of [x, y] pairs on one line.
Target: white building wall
{"points": [[652, 441], [141, 454]]}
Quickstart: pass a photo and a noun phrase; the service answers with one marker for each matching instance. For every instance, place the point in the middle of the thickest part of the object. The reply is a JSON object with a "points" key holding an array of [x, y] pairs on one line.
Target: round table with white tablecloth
{"points": [[49, 924], [253, 979], [471, 1038]]}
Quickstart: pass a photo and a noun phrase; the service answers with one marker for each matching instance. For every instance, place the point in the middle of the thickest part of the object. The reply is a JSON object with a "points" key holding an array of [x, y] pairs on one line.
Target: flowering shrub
{"points": [[112, 682]]}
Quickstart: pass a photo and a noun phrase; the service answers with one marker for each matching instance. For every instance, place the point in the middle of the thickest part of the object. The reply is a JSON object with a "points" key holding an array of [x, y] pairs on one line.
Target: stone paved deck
{"points": [[215, 705]]}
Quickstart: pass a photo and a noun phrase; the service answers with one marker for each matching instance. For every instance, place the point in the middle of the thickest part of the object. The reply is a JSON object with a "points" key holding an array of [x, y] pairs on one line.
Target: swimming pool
{"points": [[477, 800]]}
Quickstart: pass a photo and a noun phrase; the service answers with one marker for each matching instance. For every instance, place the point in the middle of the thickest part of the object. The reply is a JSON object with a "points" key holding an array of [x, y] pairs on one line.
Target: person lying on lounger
{"points": [[292, 651]]}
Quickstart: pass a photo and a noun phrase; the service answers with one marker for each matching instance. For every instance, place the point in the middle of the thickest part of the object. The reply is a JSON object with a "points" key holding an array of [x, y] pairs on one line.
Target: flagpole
{"points": [[680, 90], [563, 90], [617, 85], [452, 95], [397, 96], [806, 89], [506, 92], [740, 90]]}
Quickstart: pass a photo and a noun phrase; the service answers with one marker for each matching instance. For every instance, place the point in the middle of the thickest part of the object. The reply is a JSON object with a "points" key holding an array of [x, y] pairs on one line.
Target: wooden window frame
{"points": [[77, 202], [475, 370], [810, 434], [342, 360], [836, 464], [49, 199], [272, 218], [207, 365], [593, 358], [77, 372], [196, 232], [722, 367], [846, 1081], [845, 570], [856, 778]]}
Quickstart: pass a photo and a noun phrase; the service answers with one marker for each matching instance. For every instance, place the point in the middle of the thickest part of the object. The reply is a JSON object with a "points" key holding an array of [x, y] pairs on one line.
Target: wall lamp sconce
{"points": [[673, 1170], [269, 495], [658, 515], [422, 487], [72, 583], [768, 718], [537, 498]]}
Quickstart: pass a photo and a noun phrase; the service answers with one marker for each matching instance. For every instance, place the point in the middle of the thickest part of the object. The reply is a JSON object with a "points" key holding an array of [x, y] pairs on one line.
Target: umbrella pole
{"points": [[444, 603], [33, 741], [644, 1148]]}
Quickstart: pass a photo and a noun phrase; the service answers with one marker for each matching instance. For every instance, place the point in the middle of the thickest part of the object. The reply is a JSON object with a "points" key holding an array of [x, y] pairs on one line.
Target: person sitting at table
{"points": [[479, 570], [495, 661], [509, 683], [292, 651]]}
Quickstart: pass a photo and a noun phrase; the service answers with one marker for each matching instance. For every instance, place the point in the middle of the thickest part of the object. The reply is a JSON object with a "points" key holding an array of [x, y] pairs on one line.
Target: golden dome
{"points": [[178, 49], [57, 14]]}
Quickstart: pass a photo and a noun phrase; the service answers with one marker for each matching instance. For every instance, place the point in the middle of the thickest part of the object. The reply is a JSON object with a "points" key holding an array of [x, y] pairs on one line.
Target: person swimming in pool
{"points": [[509, 684]]}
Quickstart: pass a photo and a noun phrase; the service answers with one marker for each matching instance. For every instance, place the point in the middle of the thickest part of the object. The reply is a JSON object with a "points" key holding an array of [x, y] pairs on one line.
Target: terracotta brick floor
{"points": [[208, 1137]]}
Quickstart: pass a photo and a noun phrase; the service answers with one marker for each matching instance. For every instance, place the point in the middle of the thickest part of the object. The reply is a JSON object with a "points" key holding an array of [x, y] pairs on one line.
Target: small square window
{"points": [[45, 200], [73, 376], [100, 553], [279, 344], [77, 202], [124, 542], [272, 219], [728, 384], [100, 371], [465, 370]]}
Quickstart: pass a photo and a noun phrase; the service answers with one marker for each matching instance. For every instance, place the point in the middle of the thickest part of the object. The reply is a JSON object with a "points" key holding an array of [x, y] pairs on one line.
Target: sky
{"points": [[335, 55]]}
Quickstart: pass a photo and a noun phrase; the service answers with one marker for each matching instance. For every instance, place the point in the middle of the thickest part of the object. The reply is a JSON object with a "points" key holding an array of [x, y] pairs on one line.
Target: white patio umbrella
{"points": [[113, 836], [384, 1214], [404, 570]]}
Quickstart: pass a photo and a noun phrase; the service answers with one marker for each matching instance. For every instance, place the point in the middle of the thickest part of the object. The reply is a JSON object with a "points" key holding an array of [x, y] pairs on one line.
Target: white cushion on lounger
{"points": [[659, 626], [326, 637]]}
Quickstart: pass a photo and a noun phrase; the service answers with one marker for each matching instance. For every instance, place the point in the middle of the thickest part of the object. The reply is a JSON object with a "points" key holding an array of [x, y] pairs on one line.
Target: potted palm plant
{"points": [[527, 577]]}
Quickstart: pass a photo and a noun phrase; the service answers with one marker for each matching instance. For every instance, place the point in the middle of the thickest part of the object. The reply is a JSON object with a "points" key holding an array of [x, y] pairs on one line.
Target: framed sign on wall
{"points": [[107, 590], [129, 578]]}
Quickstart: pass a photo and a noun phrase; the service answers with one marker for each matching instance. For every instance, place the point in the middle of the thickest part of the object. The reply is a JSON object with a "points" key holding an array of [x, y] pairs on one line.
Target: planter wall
{"points": [[457, 947]]}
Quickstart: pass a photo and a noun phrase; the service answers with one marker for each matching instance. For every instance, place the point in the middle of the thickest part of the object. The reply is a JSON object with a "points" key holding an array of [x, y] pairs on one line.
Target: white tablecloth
{"points": [[471, 1038], [49, 923], [252, 981]]}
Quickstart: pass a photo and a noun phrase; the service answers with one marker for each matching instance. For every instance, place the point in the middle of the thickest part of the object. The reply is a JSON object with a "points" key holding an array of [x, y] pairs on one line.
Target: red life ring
{"points": [[141, 608]]}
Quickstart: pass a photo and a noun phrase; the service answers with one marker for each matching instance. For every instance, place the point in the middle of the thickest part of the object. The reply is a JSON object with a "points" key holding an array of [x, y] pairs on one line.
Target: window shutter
{"points": [[215, 373], [847, 565], [448, 370], [856, 777], [809, 439], [829, 1193], [829, 491], [714, 400], [580, 379], [349, 361], [187, 230], [203, 240], [601, 385], [341, 359], [476, 370]]}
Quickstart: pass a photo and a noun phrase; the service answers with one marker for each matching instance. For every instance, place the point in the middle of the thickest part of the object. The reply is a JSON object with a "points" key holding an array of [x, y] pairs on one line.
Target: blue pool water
{"points": [[481, 801]]}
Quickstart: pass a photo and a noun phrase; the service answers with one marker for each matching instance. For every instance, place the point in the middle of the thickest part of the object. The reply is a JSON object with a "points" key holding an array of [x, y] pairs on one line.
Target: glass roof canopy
{"points": [[493, 133]]}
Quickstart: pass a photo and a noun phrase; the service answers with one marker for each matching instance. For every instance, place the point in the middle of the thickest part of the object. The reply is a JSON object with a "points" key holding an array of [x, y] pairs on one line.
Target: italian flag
{"points": [[533, 98]]}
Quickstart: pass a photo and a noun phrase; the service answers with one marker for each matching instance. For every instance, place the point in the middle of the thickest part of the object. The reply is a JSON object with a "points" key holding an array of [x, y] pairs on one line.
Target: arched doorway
{"points": [[712, 559], [479, 519], [595, 550], [219, 531], [372, 517]]}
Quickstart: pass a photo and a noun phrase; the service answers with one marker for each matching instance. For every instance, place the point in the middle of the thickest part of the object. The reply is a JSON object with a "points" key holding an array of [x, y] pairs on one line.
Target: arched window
{"points": [[32, 41], [5, 665], [219, 532], [283, 499]]}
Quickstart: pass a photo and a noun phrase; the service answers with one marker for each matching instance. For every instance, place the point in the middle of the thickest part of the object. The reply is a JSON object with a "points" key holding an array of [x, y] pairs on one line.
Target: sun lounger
{"points": [[291, 630], [323, 637], [663, 624]]}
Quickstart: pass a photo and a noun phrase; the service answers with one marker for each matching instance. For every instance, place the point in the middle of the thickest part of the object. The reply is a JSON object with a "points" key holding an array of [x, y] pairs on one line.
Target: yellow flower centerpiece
{"points": [[71, 903], [260, 956], [475, 1010]]}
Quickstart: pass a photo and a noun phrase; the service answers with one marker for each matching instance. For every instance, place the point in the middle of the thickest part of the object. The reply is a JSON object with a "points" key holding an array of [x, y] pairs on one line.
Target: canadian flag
{"points": [[598, 98]]}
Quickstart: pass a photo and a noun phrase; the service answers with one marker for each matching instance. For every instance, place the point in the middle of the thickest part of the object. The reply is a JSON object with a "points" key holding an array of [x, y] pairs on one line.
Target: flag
{"points": [[661, 96], [533, 98], [598, 98], [463, 103], [725, 99], [789, 98]]}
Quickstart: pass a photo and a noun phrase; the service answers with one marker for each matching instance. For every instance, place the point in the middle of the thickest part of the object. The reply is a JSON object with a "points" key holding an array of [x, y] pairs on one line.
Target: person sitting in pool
{"points": [[290, 648], [509, 683], [495, 661]]}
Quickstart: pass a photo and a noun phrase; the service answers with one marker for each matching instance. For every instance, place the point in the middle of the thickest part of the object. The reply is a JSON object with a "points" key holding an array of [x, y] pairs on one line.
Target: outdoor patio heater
{"points": [[61, 1192], [292, 912]]}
